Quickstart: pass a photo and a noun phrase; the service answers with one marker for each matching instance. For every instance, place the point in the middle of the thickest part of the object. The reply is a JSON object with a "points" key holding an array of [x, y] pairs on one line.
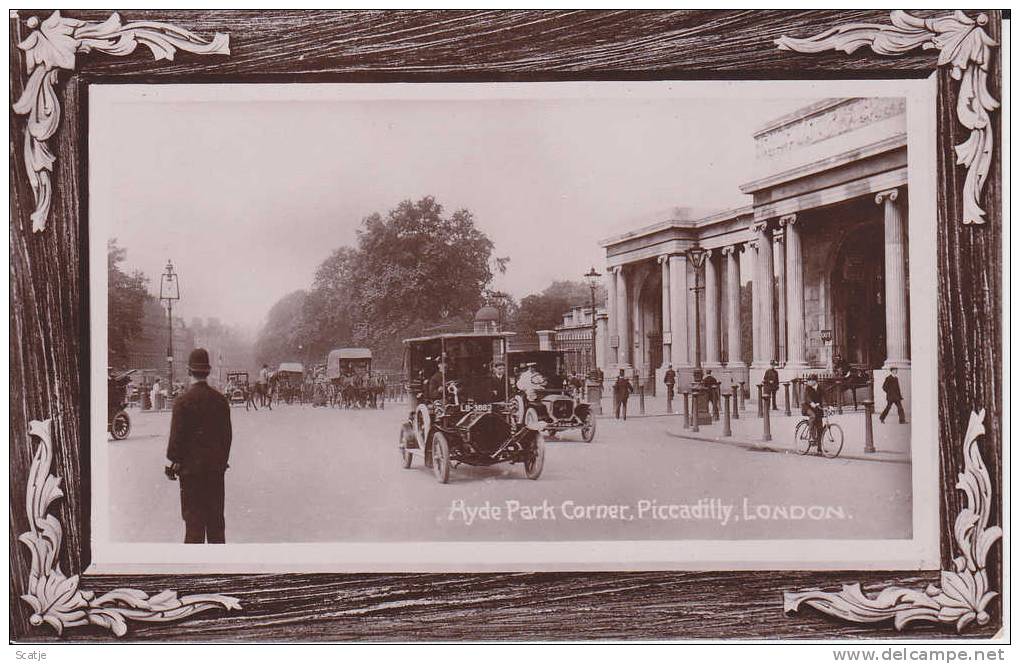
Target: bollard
{"points": [[869, 432], [641, 399], [761, 397], [839, 397], [714, 394], [669, 401], [786, 395], [796, 390], [726, 431], [854, 388], [736, 401], [766, 433], [743, 404], [694, 402], [687, 412]]}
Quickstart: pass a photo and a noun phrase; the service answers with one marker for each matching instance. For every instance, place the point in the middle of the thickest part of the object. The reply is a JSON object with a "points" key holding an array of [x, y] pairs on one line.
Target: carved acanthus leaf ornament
{"points": [[963, 594], [56, 599], [53, 45], [962, 44]]}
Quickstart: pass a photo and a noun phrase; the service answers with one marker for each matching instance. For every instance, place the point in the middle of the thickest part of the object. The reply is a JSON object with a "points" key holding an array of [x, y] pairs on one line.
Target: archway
{"points": [[858, 296], [649, 321]]}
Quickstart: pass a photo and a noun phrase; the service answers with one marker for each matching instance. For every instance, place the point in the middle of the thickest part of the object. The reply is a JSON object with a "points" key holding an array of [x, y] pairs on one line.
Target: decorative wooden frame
{"points": [[50, 341]]}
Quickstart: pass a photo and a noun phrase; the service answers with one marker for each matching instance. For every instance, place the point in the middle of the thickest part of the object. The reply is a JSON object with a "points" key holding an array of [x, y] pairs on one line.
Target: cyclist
{"points": [[811, 406]]}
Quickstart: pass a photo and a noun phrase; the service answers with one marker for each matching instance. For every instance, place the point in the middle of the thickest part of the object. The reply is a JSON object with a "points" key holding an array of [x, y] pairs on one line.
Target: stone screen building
{"points": [[823, 244]]}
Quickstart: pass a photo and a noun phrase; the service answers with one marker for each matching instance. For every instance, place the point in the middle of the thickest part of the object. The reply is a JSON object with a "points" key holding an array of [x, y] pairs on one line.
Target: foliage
{"points": [[413, 268], [127, 295], [280, 338], [544, 311]]}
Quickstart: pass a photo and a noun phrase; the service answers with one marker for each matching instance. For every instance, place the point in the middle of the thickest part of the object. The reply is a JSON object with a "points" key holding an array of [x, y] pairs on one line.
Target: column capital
{"points": [[752, 245], [616, 269], [759, 226], [787, 219], [662, 258], [730, 249], [890, 194], [777, 235]]}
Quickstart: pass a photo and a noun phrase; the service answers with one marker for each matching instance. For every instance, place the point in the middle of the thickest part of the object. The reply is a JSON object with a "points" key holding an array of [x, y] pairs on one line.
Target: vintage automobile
{"points": [[544, 395], [237, 388], [118, 423], [458, 415]]}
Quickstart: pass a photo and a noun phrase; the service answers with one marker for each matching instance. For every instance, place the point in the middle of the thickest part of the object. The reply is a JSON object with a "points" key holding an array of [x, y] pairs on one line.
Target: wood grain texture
{"points": [[48, 340]]}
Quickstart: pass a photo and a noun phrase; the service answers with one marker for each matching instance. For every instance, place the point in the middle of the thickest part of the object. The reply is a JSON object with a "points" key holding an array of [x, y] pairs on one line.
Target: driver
{"points": [[498, 382], [435, 385], [530, 381]]}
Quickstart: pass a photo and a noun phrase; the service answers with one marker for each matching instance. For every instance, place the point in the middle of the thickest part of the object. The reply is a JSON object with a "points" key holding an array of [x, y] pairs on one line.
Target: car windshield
{"points": [[468, 358], [548, 363]]}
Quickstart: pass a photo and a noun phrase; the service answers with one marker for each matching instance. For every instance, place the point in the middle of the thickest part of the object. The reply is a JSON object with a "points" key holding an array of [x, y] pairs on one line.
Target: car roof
{"points": [[460, 335], [351, 353]]}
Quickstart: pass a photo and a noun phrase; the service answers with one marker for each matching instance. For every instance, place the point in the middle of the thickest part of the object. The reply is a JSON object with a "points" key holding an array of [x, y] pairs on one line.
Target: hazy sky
{"points": [[247, 197]]}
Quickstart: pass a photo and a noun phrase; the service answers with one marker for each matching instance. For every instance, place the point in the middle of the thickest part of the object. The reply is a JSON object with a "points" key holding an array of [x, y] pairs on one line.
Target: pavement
{"points": [[303, 474]]}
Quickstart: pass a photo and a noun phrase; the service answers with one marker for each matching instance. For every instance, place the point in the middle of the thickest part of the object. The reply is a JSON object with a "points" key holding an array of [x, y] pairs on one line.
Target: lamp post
{"points": [[696, 255], [169, 292], [592, 277]]}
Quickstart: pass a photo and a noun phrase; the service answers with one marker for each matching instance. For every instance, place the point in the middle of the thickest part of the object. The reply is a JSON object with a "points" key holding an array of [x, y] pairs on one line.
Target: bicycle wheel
{"points": [[831, 441], [802, 437]]}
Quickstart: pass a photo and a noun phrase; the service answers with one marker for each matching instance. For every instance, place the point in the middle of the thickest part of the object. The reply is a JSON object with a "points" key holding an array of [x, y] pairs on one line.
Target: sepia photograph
{"points": [[509, 326], [558, 313]]}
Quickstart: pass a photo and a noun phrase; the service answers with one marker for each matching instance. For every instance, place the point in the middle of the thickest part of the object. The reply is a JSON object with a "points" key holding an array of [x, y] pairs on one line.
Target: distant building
{"points": [[574, 337]]}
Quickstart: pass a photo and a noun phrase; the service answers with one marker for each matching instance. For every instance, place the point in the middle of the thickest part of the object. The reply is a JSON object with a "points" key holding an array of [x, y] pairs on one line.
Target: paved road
{"points": [[303, 474]]}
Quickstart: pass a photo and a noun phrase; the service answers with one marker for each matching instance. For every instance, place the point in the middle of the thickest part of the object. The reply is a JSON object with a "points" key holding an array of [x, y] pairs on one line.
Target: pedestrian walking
{"points": [[891, 387], [670, 380], [198, 450], [621, 392], [771, 383], [711, 385]]}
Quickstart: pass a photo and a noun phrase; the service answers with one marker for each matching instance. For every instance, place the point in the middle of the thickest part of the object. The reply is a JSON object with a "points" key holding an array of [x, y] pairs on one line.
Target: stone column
{"points": [[795, 358], [732, 254], [612, 320], [666, 319], [679, 349], [764, 289], [755, 302], [781, 325], [897, 333], [712, 311], [623, 318]]}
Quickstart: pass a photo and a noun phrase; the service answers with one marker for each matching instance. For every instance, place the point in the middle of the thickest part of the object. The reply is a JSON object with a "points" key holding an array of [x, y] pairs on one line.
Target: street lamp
{"points": [[169, 292], [593, 277], [696, 255]]}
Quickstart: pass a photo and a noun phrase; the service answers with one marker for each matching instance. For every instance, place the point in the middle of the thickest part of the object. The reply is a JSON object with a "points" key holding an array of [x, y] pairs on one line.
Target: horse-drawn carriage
{"points": [[349, 371], [287, 381]]}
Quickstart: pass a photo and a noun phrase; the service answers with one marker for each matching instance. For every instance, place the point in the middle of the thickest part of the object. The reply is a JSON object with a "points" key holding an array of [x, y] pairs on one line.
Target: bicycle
{"points": [[830, 439]]}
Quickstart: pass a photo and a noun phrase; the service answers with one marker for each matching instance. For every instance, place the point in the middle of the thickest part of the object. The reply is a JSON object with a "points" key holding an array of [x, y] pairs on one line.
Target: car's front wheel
{"points": [[441, 457], [120, 428], [406, 458], [588, 427], [535, 459]]}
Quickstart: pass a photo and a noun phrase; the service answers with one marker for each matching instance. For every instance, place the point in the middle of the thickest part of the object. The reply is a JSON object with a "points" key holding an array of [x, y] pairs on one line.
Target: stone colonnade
{"points": [[772, 242]]}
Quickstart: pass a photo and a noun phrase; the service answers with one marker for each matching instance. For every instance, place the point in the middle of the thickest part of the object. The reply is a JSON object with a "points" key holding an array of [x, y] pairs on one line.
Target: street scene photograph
{"points": [[501, 313]]}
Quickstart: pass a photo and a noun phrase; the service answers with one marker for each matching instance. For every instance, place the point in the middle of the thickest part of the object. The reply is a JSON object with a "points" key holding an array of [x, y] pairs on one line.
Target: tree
{"points": [[280, 338], [127, 294], [544, 311]]}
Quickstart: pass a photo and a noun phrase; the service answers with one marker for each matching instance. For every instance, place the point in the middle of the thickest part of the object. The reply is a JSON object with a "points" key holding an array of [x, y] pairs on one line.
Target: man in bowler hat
{"points": [[893, 396], [621, 392], [198, 450]]}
